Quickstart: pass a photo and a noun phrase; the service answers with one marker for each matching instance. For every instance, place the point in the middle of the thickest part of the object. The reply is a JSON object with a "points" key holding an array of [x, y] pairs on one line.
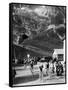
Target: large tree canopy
{"points": [[44, 26]]}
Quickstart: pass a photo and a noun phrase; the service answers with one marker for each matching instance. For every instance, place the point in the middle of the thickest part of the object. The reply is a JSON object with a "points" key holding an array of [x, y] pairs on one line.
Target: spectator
{"points": [[47, 68], [41, 72], [59, 69], [31, 67]]}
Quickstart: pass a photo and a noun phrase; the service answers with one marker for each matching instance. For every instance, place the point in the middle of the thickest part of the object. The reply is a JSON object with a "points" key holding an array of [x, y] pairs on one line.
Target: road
{"points": [[24, 77]]}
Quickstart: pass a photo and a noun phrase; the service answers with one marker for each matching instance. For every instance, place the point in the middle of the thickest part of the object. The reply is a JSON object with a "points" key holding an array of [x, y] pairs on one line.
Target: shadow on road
{"points": [[25, 79]]}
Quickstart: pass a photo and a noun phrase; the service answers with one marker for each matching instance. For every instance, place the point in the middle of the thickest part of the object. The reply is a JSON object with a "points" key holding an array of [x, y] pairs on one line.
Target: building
{"points": [[60, 53]]}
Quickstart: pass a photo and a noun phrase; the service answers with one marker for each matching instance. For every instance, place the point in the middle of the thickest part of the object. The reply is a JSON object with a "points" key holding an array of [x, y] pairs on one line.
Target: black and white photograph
{"points": [[37, 44]]}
